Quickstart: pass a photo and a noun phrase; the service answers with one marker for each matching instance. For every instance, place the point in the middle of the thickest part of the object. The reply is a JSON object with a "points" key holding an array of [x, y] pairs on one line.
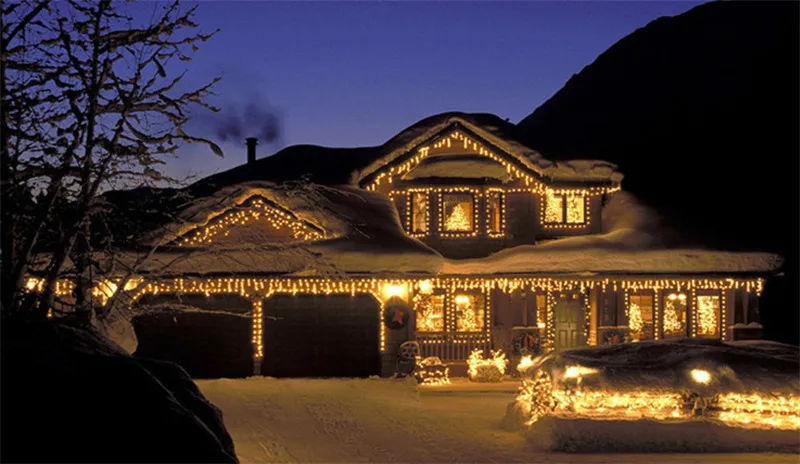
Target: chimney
{"points": [[251, 149]]}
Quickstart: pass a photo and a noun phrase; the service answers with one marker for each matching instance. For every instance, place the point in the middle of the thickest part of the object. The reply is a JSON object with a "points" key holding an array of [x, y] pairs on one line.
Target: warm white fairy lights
{"points": [[495, 213], [524, 364], [254, 210], [460, 220], [63, 286], [760, 410], [565, 208], [258, 328], [466, 142], [707, 311], [446, 288], [674, 314], [542, 397], [487, 369]]}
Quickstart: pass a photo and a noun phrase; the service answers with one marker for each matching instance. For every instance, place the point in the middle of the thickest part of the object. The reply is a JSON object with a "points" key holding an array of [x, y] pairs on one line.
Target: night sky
{"points": [[355, 74]]}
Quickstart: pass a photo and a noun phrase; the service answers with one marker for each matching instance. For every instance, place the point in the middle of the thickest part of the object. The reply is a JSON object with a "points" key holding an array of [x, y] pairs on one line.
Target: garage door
{"points": [[321, 336], [207, 345]]}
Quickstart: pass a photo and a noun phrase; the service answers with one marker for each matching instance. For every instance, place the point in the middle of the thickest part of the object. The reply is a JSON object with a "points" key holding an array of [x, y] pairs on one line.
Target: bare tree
{"points": [[87, 105]]}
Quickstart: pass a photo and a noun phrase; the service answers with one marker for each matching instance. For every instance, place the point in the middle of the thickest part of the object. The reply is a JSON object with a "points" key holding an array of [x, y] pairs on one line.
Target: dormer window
{"points": [[565, 208], [457, 213]]}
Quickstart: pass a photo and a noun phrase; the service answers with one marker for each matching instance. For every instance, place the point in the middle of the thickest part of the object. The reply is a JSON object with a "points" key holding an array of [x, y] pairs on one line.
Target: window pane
{"points": [[458, 212], [640, 317], [430, 312], [495, 216], [419, 212], [675, 315], [708, 307], [541, 311], [469, 313], [576, 210], [554, 208]]}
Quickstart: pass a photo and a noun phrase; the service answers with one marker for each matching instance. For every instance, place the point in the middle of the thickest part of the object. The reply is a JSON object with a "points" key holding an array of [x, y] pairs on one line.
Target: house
{"points": [[321, 262]]}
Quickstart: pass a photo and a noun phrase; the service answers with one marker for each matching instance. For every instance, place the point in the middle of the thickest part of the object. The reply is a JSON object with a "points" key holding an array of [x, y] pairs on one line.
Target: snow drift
{"points": [[650, 397]]}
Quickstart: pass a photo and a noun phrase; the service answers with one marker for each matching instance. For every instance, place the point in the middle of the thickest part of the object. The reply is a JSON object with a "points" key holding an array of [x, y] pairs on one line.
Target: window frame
{"points": [[651, 334], [477, 297], [563, 222], [474, 195], [696, 317], [436, 293], [489, 195], [410, 212], [686, 320]]}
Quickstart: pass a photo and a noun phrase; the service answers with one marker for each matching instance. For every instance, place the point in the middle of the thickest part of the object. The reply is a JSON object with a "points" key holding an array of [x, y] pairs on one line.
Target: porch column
{"points": [[258, 334]]}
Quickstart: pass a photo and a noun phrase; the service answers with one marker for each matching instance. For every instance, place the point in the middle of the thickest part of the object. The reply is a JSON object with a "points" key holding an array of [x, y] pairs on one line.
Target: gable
{"points": [[456, 148], [459, 166], [466, 133], [255, 221]]}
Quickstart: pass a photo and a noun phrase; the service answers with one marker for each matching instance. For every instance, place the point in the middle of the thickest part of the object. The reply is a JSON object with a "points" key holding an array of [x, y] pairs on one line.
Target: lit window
{"points": [[494, 216], [640, 317], [708, 307], [469, 313], [458, 210], [419, 212], [565, 208], [429, 310], [541, 309], [554, 208], [576, 209], [675, 315]]}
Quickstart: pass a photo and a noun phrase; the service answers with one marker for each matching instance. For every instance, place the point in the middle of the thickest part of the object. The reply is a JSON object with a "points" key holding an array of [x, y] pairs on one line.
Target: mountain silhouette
{"points": [[700, 112]]}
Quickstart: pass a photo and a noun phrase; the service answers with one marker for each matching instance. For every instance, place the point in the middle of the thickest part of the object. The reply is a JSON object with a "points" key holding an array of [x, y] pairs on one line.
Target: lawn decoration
{"points": [[487, 370]]}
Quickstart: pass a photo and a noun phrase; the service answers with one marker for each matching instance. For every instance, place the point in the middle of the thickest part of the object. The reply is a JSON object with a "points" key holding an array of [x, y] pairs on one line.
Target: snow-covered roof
{"points": [[595, 256], [497, 133]]}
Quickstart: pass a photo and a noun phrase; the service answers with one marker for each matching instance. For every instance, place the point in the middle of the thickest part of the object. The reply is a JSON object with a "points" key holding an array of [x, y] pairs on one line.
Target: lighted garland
{"points": [[265, 287], [535, 397], [457, 137], [257, 210], [760, 410], [488, 369], [540, 397]]}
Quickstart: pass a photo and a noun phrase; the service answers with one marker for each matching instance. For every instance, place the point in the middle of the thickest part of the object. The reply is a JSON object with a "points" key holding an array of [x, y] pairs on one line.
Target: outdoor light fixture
{"points": [[574, 372], [394, 290], [425, 286], [700, 376]]}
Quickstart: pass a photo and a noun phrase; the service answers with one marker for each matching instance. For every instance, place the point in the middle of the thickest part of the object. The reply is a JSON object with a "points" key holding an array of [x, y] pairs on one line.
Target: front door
{"points": [[569, 321]]}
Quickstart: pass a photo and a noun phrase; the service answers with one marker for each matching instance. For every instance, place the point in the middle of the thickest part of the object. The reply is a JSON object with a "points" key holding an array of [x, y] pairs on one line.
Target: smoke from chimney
{"points": [[252, 120]]}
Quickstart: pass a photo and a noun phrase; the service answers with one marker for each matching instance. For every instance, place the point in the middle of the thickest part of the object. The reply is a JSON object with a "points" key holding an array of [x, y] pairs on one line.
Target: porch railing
{"points": [[452, 347]]}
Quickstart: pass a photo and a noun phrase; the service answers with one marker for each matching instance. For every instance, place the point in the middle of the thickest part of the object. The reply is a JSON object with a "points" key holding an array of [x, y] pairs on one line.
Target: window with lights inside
{"points": [[640, 317], [564, 208], [457, 212], [707, 316], [674, 316], [495, 209], [419, 213], [469, 312]]}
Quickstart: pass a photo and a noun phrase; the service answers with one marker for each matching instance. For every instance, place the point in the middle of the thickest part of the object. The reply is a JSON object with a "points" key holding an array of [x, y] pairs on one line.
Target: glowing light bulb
{"points": [[700, 376]]}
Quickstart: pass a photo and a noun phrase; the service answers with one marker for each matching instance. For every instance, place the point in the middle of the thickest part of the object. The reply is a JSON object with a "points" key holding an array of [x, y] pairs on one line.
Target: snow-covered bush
{"points": [[489, 369], [431, 371], [723, 383]]}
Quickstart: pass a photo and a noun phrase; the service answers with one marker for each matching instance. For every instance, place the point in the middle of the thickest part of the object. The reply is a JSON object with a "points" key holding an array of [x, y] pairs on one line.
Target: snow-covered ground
{"points": [[386, 420]]}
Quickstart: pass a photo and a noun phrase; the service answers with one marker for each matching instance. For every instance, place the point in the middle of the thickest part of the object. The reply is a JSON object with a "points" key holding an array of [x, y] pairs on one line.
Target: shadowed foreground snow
{"points": [[384, 420]]}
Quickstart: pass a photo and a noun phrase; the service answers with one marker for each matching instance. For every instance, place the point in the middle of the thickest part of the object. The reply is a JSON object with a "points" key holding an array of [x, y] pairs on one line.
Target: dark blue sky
{"points": [[355, 74]]}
